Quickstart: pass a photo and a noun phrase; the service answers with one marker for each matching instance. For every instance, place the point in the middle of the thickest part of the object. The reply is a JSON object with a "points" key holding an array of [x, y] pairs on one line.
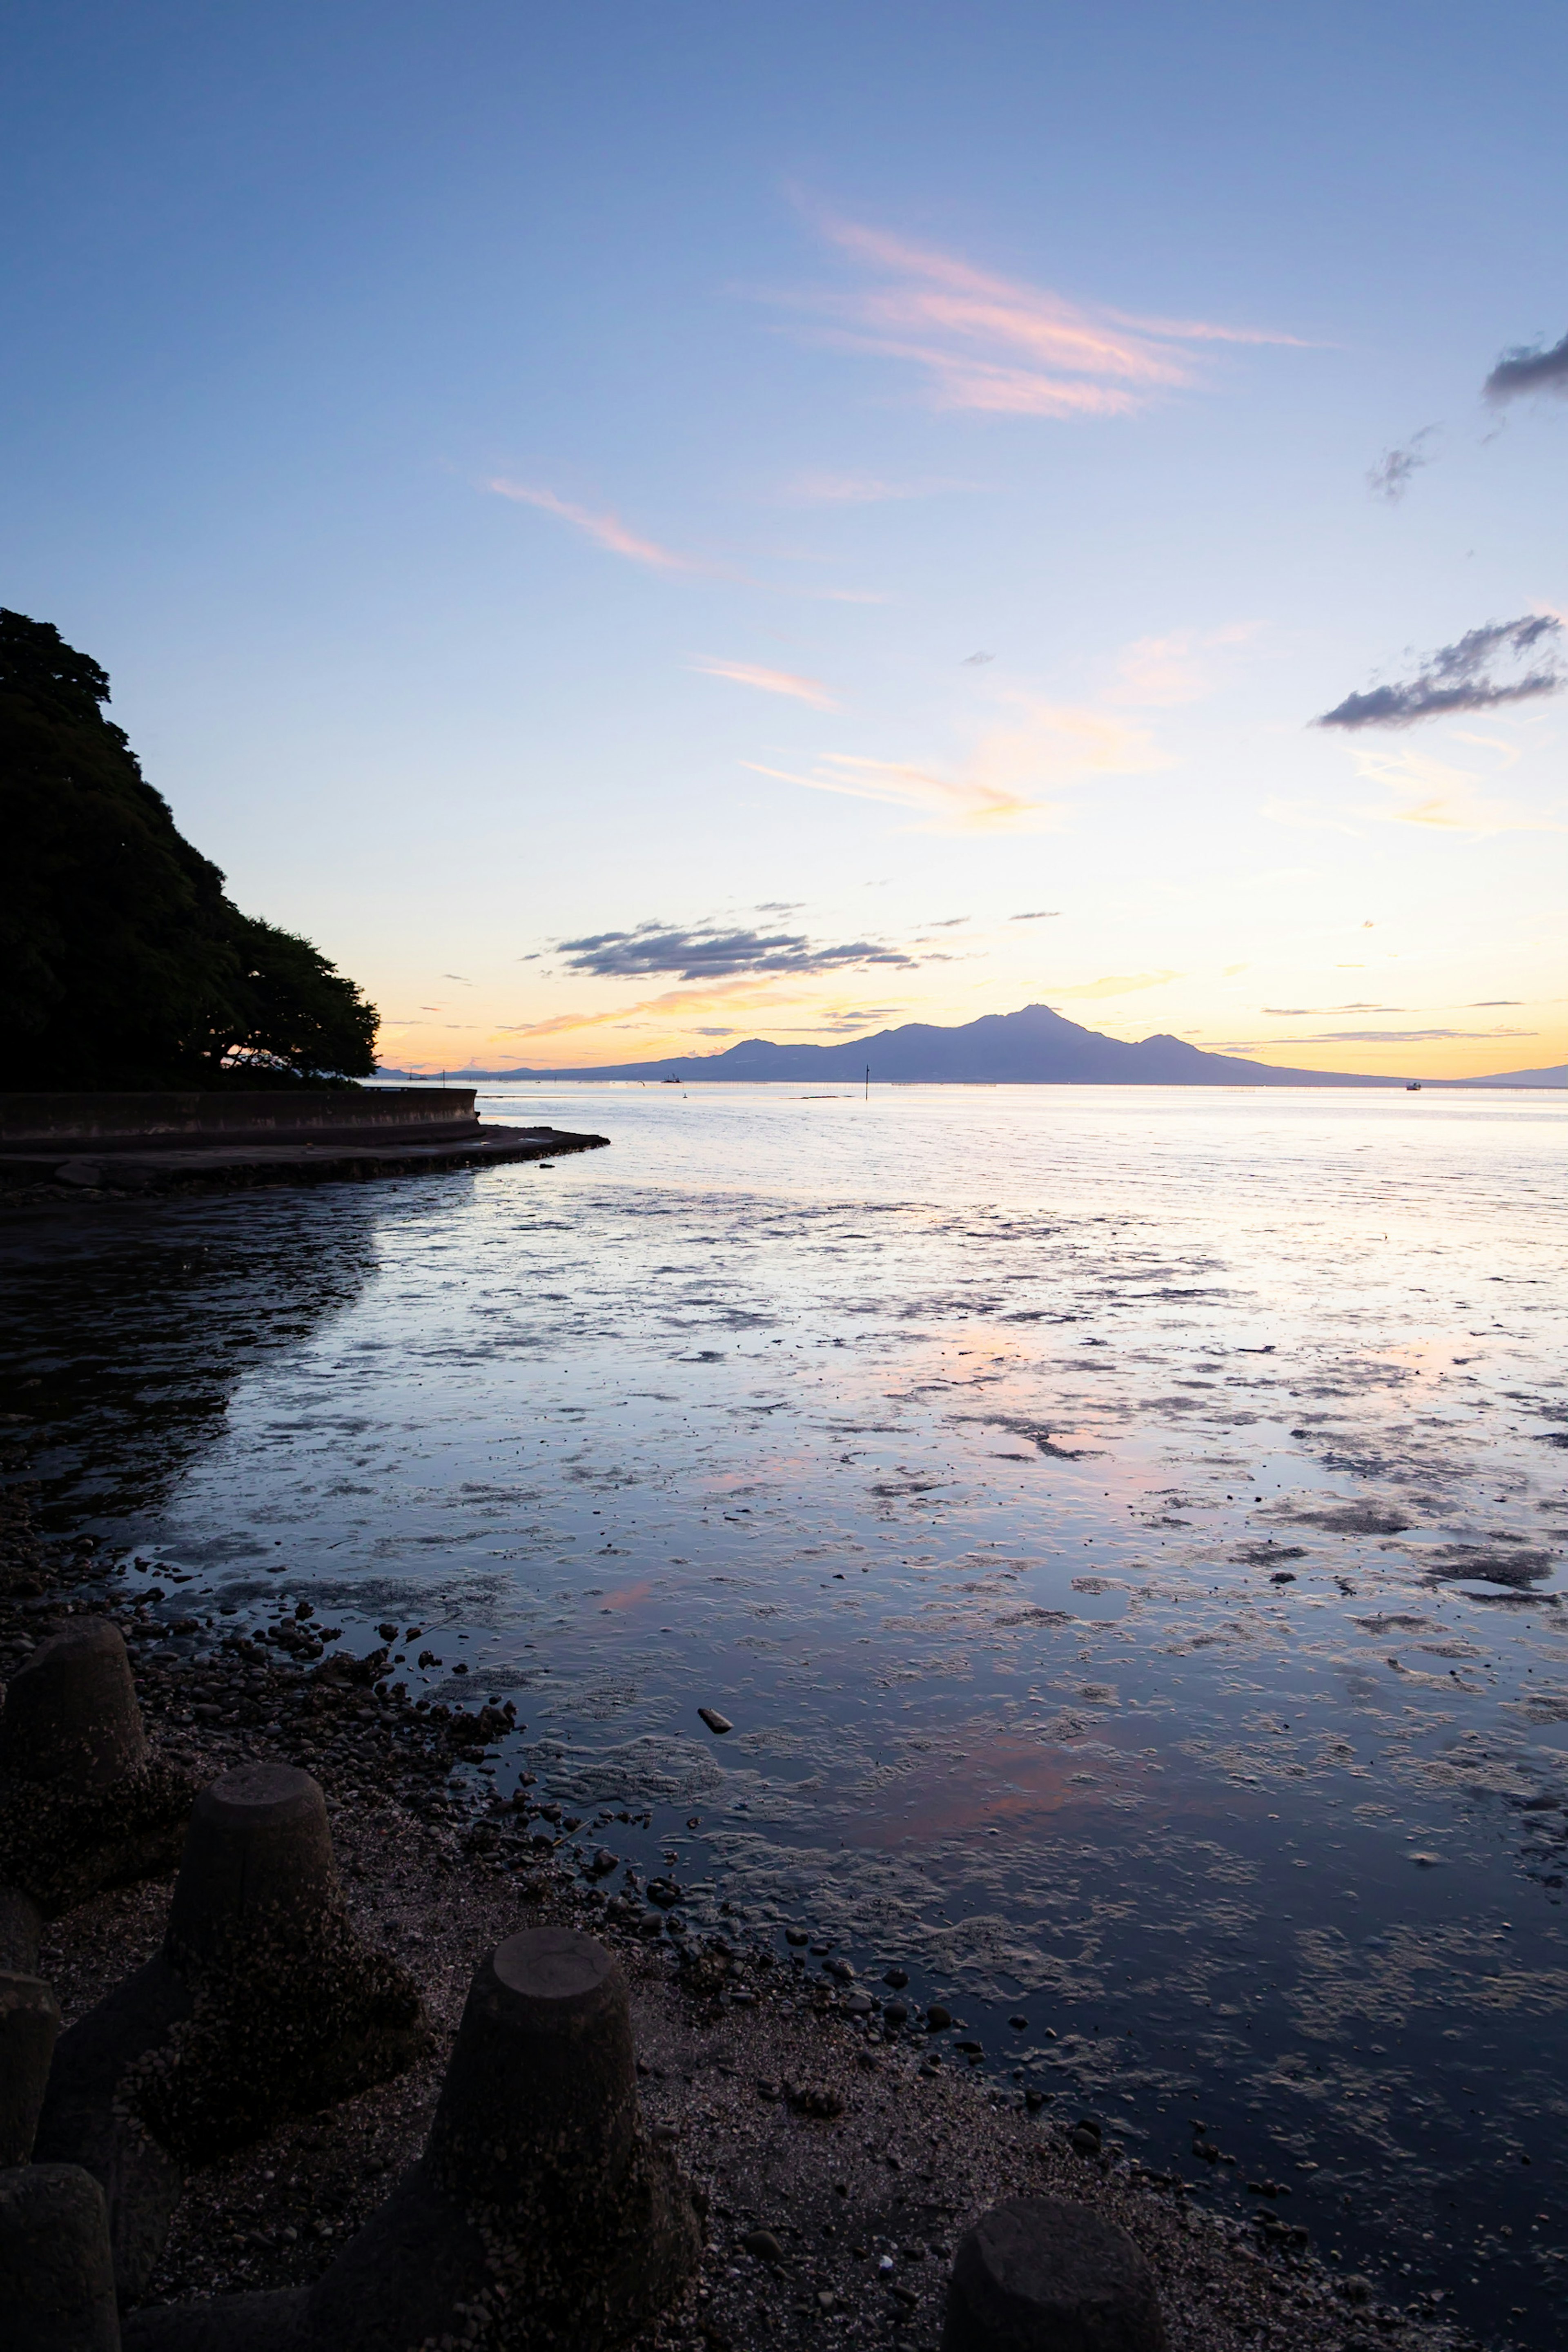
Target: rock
{"points": [[713, 1720], [896, 1978], [1019, 2024], [796, 1936], [842, 1970], [1036, 2274], [818, 2099], [764, 2245], [858, 2004], [897, 2012], [938, 2018], [29, 2022], [56, 2278]]}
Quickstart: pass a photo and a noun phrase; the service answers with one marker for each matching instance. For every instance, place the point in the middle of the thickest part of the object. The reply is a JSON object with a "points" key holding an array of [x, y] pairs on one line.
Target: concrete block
{"points": [[29, 2023], [263, 2003], [83, 1805], [56, 2286], [1036, 2274]]}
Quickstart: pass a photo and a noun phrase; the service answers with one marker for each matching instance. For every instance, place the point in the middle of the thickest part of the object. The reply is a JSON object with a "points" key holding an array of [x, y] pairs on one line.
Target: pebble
{"points": [[764, 2245], [937, 2018], [713, 1720], [896, 1978]]}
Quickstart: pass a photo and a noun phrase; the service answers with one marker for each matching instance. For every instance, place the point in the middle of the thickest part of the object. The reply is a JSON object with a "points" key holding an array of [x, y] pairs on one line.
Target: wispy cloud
{"points": [[1167, 670], [1036, 915], [1528, 368], [1428, 792], [999, 345], [1463, 676], [770, 681], [1119, 983], [823, 490], [1391, 477], [1375, 1037], [1323, 1011], [707, 952], [996, 788], [605, 529]]}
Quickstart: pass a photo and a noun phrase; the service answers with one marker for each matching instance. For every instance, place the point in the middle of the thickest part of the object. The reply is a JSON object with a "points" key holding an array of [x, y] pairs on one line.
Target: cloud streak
{"points": [[706, 952], [606, 530], [1115, 984], [998, 345], [770, 681], [1524, 370], [1464, 676], [996, 788], [820, 489]]}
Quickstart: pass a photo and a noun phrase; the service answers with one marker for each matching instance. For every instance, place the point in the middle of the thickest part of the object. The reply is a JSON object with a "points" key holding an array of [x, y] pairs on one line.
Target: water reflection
{"points": [[1124, 1532]]}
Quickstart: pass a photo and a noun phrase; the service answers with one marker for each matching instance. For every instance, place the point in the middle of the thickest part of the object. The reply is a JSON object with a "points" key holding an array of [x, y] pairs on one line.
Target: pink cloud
{"points": [[607, 529], [998, 344], [770, 681]]}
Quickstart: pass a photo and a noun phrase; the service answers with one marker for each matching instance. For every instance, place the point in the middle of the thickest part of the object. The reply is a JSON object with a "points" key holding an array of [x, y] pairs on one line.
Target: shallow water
{"points": [[1125, 1528]]}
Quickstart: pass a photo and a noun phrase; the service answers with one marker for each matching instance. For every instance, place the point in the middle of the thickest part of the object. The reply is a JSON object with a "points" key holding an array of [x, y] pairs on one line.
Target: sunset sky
{"points": [[641, 528]]}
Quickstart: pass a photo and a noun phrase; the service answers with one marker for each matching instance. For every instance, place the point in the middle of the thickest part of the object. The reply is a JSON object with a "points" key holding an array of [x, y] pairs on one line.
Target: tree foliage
{"points": [[122, 963]]}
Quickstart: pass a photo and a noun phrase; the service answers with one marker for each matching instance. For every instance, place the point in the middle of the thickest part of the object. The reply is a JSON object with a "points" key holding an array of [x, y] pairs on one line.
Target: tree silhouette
{"points": [[122, 963]]}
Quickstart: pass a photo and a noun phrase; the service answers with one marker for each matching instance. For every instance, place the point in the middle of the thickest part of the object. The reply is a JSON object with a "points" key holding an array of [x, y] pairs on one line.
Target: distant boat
{"points": [[1413, 1085], [669, 1082]]}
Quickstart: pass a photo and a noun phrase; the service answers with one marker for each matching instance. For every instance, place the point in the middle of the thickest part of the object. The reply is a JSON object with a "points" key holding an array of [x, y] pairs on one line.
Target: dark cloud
{"points": [[706, 953], [1524, 370], [1462, 677], [1390, 478]]}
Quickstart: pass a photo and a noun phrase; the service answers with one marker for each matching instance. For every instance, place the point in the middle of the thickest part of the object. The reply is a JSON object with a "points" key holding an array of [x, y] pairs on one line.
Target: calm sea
{"points": [[1125, 1530]]}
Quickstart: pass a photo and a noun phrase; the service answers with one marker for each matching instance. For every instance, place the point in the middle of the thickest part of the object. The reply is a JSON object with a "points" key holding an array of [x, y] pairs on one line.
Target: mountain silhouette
{"points": [[1034, 1046]]}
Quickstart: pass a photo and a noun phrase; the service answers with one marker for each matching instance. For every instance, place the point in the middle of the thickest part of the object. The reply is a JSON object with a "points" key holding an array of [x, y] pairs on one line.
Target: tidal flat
{"points": [[1124, 1529]]}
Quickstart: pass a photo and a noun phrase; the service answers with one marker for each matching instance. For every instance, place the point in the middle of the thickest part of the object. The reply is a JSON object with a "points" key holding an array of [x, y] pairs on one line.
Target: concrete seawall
{"points": [[56, 1146], [122, 1122]]}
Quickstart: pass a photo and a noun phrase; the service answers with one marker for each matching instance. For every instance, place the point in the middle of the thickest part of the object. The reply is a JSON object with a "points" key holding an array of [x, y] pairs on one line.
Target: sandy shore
{"points": [[798, 2110]]}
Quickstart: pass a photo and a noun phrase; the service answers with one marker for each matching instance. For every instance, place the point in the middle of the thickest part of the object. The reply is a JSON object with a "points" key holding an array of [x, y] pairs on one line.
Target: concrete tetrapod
{"points": [[21, 1928], [57, 2284], [539, 2218], [83, 1805], [1037, 2276], [263, 2003], [29, 2022]]}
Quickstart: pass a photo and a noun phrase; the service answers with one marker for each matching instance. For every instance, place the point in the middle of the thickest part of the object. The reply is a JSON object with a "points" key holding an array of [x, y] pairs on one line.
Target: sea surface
{"points": [[1125, 1527]]}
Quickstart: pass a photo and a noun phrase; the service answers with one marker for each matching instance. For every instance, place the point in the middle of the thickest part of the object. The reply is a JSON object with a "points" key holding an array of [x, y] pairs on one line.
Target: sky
{"points": [[636, 528]]}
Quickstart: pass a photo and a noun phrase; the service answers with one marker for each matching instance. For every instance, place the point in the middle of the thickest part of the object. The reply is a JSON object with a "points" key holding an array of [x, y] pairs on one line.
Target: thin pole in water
{"points": [[868, 1082]]}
